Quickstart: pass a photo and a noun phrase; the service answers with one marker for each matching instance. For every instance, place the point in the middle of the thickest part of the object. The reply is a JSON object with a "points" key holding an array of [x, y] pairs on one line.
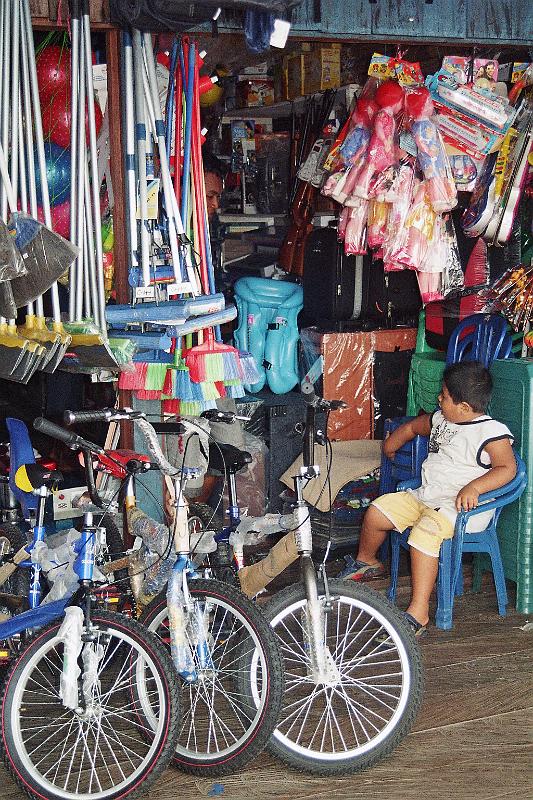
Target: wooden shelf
{"points": [[284, 107]]}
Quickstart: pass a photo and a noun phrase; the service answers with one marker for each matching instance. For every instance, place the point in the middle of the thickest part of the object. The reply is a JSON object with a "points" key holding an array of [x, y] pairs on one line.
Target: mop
{"points": [[65, 260]]}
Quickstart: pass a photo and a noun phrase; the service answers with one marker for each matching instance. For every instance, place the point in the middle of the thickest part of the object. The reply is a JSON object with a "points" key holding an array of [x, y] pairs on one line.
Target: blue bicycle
{"points": [[91, 705]]}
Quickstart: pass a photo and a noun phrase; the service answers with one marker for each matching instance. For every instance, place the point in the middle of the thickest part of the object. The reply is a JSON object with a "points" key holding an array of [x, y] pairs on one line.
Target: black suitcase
{"points": [[348, 292], [332, 281]]}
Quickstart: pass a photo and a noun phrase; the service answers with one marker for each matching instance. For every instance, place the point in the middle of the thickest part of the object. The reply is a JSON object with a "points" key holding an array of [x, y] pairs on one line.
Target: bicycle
{"points": [[223, 648], [90, 705], [353, 671]]}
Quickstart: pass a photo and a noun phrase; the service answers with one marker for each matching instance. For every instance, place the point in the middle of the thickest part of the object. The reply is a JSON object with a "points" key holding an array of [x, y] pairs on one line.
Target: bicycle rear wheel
{"points": [[223, 728], [104, 749], [375, 690]]}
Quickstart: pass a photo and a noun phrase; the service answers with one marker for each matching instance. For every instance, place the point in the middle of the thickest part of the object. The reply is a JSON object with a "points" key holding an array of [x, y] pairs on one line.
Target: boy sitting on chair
{"points": [[469, 454]]}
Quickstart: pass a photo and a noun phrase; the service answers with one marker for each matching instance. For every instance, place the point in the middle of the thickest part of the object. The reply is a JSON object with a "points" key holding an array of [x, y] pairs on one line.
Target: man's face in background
{"points": [[213, 193]]}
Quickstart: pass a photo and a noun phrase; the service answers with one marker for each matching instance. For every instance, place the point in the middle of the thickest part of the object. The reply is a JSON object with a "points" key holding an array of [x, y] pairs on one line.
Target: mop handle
{"points": [[11, 199], [140, 135], [130, 146]]}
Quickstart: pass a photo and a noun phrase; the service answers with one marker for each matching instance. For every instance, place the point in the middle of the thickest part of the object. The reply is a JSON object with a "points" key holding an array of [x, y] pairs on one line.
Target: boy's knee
{"points": [[377, 519], [429, 533]]}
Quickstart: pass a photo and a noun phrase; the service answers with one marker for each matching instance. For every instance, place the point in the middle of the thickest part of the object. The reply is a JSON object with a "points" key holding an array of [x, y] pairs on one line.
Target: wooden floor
{"points": [[472, 739]]}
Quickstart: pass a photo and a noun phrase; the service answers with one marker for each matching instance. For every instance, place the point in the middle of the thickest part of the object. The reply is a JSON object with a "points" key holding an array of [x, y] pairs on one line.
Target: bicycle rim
{"points": [[105, 751], [374, 691], [222, 726]]}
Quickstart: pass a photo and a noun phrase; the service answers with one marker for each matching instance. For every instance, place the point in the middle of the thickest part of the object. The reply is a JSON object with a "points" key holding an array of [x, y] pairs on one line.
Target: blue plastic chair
{"points": [[480, 337], [450, 575], [20, 452], [405, 465]]}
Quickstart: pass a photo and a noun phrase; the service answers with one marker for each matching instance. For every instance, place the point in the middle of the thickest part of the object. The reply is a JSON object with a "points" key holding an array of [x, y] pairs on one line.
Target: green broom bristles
{"points": [[155, 376]]}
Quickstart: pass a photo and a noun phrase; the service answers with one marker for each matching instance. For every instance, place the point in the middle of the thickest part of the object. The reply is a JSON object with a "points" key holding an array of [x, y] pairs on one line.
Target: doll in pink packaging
{"points": [[352, 150], [382, 149], [432, 156]]}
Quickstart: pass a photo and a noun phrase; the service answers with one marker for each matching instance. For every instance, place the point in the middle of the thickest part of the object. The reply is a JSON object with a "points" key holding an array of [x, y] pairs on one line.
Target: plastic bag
{"points": [[11, 263], [452, 275], [355, 233]]}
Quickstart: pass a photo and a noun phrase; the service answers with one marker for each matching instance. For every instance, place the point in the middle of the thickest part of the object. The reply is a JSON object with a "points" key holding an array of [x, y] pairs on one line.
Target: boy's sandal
{"points": [[360, 571], [418, 629]]}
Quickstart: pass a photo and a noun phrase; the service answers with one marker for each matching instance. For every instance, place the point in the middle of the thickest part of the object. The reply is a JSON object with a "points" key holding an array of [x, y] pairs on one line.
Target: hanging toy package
{"points": [[432, 156]]}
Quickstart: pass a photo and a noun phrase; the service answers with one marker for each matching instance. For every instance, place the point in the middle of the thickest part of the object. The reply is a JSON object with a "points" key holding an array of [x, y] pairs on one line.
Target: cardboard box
{"points": [[322, 69], [294, 83], [254, 92]]}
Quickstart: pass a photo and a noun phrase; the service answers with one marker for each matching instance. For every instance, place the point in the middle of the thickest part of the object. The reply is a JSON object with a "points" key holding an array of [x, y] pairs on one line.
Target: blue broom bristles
{"points": [[235, 390], [251, 374], [232, 366]]}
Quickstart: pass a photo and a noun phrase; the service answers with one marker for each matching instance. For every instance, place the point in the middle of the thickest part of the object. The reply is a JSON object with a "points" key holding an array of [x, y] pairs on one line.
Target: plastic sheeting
{"points": [[348, 374]]}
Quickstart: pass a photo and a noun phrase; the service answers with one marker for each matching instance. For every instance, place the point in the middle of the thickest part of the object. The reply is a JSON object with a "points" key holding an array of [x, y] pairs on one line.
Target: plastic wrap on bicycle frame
{"points": [[34, 618], [150, 567], [180, 15]]}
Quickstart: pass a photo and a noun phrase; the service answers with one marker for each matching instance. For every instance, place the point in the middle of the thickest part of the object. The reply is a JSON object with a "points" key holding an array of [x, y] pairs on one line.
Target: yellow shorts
{"points": [[428, 527]]}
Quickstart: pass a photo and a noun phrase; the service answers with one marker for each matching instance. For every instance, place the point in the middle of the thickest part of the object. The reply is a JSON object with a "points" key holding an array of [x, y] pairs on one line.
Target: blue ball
{"points": [[57, 173]]}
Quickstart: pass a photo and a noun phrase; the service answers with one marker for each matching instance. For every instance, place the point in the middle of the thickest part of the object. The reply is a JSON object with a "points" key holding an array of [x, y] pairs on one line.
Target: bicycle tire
{"points": [[236, 628], [370, 707], [32, 692], [18, 583]]}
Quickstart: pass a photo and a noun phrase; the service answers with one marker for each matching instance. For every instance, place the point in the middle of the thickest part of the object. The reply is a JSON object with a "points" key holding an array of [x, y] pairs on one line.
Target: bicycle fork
{"points": [[321, 665]]}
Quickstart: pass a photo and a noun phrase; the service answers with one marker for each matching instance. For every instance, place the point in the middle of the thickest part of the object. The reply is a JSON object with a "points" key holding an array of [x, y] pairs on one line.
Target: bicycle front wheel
{"points": [[231, 709], [104, 749], [374, 687]]}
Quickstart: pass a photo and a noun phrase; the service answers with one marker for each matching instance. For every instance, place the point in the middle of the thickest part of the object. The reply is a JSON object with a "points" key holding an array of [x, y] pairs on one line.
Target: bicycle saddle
{"points": [[30, 477], [231, 458]]}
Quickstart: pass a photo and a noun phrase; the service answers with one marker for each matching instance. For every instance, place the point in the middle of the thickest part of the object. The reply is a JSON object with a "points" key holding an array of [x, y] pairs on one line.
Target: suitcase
{"points": [[332, 281], [353, 292]]}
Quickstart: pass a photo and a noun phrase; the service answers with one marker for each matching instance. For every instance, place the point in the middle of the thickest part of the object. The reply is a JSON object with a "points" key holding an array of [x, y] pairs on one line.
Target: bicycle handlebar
{"points": [[319, 403]]}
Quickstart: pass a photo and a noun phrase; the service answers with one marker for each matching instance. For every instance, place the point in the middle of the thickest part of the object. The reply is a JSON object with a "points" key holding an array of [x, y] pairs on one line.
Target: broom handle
{"points": [[177, 134], [97, 264], [81, 159], [4, 171], [29, 156], [6, 55], [15, 92], [127, 86], [39, 138], [141, 153], [175, 223]]}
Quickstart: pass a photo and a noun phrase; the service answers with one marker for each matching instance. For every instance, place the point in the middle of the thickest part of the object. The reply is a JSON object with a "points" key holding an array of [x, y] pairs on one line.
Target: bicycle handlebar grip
{"points": [[74, 417], [71, 439], [214, 415], [55, 431]]}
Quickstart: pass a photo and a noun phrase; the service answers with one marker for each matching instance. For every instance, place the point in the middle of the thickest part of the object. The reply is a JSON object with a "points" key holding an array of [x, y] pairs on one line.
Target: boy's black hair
{"points": [[213, 164], [469, 382]]}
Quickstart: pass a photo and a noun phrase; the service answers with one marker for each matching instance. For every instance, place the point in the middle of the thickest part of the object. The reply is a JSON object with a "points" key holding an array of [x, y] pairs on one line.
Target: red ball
{"points": [[53, 69], [60, 218], [56, 116]]}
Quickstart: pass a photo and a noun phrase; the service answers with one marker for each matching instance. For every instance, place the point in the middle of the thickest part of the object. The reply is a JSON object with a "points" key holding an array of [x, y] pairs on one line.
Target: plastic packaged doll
{"points": [[382, 149], [432, 156]]}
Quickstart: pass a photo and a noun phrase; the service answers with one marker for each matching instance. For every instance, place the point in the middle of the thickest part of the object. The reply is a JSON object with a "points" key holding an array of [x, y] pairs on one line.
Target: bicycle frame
{"points": [[39, 615]]}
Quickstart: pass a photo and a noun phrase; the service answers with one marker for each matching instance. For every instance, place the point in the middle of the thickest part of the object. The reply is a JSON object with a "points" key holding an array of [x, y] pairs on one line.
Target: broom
{"points": [[210, 360]]}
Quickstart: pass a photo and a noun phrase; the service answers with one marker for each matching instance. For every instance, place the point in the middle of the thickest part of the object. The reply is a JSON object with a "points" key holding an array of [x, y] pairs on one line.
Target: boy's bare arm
{"points": [[502, 471], [419, 426]]}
